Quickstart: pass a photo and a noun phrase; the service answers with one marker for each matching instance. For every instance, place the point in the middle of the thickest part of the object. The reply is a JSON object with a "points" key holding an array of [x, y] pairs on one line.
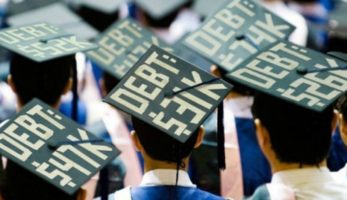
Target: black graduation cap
{"points": [[121, 46], [180, 50], [168, 93], [48, 144], [57, 14], [42, 42], [296, 74], [236, 31], [159, 8], [20, 6]]}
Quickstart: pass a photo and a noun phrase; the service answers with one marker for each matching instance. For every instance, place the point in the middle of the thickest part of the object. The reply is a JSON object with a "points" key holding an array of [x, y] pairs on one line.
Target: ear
{"points": [[342, 128], [215, 71], [102, 86], [200, 137], [68, 86], [82, 194], [136, 141], [335, 120], [262, 135], [11, 83]]}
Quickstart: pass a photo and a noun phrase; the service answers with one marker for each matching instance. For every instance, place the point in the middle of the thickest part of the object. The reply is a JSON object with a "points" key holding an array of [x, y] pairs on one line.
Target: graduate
{"points": [[294, 118], [168, 99], [42, 64], [236, 31]]}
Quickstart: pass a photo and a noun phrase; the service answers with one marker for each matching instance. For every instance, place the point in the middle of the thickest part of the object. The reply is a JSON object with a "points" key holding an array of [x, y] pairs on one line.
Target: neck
{"points": [[151, 164], [277, 166]]}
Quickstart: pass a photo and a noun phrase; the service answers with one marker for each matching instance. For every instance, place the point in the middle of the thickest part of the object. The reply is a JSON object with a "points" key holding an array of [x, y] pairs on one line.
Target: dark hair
{"points": [[162, 22], [18, 183], [99, 20], [159, 145], [44, 80], [297, 134], [109, 81]]}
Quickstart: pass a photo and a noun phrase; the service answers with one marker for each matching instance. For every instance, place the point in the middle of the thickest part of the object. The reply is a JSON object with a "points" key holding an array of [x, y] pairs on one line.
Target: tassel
{"points": [[220, 137]]}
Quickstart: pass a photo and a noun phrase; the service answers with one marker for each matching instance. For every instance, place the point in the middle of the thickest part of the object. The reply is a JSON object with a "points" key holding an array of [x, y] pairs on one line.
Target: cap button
{"points": [[301, 70]]}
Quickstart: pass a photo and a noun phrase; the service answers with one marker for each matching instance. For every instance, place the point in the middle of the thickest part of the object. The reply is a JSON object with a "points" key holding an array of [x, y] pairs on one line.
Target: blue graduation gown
{"points": [[168, 192]]}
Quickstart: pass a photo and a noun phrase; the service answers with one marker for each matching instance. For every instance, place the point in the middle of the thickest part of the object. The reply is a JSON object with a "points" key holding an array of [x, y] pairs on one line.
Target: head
{"points": [[290, 134], [17, 184], [47, 80], [160, 146]]}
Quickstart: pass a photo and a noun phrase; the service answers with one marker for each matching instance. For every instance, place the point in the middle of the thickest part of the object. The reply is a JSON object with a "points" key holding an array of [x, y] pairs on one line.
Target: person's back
{"points": [[162, 179], [296, 141], [166, 139], [47, 81]]}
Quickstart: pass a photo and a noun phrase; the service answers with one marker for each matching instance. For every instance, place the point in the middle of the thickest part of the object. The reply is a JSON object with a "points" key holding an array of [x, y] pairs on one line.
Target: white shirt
{"points": [[159, 177], [311, 184], [166, 177]]}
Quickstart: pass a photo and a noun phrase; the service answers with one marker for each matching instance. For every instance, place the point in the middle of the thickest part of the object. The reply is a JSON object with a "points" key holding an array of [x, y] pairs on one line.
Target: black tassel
{"points": [[220, 137], [104, 174], [74, 106]]}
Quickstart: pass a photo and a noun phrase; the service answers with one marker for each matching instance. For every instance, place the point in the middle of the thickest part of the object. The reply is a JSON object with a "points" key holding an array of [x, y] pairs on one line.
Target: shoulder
{"points": [[340, 175], [261, 193], [160, 192], [273, 192], [206, 195]]}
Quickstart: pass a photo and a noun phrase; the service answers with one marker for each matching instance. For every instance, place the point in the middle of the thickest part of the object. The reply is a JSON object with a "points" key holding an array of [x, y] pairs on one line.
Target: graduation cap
{"points": [[53, 147], [296, 74], [206, 8], [57, 14], [158, 8], [122, 45], [236, 31], [169, 94], [180, 50], [20, 6], [42, 42]]}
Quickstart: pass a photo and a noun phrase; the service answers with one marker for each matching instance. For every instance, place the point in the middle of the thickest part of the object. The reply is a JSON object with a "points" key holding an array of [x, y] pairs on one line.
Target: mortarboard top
{"points": [[122, 45], [236, 31], [207, 7], [20, 6], [296, 74], [159, 8], [42, 41], [48, 144], [56, 14], [168, 93]]}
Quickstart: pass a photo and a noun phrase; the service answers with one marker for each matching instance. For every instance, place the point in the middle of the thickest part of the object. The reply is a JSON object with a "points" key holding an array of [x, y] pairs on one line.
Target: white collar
{"points": [[166, 177], [240, 106], [299, 176]]}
